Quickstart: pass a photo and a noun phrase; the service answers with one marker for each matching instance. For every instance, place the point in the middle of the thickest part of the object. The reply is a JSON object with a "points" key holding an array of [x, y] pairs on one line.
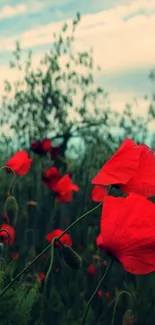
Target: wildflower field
{"points": [[77, 221]]}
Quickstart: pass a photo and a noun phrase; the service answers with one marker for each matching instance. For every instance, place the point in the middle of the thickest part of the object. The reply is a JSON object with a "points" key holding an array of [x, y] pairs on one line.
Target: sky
{"points": [[119, 31]]}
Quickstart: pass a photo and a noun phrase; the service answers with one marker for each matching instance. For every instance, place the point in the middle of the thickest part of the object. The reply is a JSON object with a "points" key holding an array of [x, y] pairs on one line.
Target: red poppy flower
{"points": [[55, 151], [64, 188], [91, 269], [100, 293], [64, 198], [98, 193], [132, 167], [41, 147], [4, 236], [41, 276], [51, 176], [107, 295], [128, 232], [46, 145], [20, 162], [14, 255], [36, 147], [65, 239]]}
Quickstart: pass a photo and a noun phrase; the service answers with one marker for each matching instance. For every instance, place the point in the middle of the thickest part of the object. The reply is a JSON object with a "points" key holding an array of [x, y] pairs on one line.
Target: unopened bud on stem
{"points": [[71, 257]]}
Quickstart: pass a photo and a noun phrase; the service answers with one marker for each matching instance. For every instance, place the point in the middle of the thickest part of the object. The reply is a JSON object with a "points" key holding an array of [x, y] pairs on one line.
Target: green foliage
{"points": [[16, 303]]}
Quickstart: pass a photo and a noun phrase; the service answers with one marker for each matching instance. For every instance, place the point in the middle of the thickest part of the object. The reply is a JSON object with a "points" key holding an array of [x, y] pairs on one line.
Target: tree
{"points": [[52, 100]]}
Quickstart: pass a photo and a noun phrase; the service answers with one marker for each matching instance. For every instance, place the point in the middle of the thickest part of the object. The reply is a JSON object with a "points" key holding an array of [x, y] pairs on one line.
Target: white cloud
{"points": [[118, 45], [119, 99], [9, 11]]}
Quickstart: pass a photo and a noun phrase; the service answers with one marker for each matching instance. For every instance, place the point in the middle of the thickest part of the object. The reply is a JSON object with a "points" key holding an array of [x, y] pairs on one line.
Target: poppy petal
{"points": [[20, 162], [98, 193], [122, 165], [128, 232]]}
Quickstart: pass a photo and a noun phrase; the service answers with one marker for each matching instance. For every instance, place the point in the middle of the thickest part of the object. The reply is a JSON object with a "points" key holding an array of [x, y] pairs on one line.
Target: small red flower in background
{"points": [[65, 239], [91, 269], [57, 270], [132, 167], [20, 162], [127, 232], [4, 236], [46, 145], [50, 177], [41, 276], [64, 188], [41, 147], [105, 263], [43, 257], [14, 255], [107, 295], [98, 193], [100, 293], [55, 152], [61, 185]]}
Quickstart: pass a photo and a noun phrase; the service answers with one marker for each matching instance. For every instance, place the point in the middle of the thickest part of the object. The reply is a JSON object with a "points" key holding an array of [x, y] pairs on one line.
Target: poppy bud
{"points": [[32, 203], [11, 209], [128, 317], [71, 257]]}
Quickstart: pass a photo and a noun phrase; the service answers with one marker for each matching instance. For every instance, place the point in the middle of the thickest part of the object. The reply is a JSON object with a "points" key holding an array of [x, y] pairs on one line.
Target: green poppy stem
{"points": [[117, 301], [46, 283], [46, 249], [14, 177], [94, 293]]}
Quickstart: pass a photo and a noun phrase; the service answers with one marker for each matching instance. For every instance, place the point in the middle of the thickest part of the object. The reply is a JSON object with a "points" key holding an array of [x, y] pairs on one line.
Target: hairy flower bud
{"points": [[11, 209], [71, 257], [128, 317], [32, 203]]}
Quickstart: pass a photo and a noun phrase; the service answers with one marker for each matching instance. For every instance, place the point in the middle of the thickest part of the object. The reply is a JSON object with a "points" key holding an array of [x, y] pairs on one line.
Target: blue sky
{"points": [[120, 31]]}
